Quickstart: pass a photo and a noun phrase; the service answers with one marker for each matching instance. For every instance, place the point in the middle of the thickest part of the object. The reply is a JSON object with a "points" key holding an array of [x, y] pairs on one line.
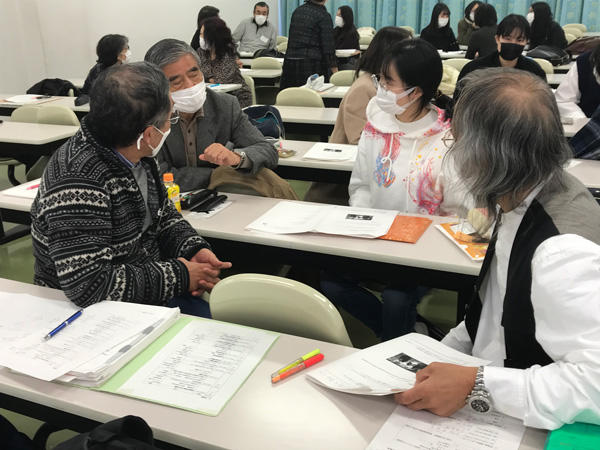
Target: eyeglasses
{"points": [[174, 117], [448, 139]]}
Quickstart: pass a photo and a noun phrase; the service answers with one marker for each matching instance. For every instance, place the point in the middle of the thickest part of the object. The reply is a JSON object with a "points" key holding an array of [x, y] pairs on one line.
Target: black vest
{"points": [[588, 86], [572, 210]]}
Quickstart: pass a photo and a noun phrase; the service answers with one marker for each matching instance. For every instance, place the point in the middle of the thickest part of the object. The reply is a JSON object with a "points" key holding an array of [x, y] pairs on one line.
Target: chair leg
{"points": [[11, 176]]}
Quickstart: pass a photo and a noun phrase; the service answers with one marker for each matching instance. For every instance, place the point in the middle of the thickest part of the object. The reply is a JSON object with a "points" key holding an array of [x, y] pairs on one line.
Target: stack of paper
{"points": [[466, 238], [299, 217], [25, 190], [323, 151], [26, 99]]}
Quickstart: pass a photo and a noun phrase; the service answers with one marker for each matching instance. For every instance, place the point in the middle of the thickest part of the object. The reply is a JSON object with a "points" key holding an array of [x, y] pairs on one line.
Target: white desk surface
{"points": [[554, 79], [34, 133], [563, 68], [335, 92], [453, 54], [301, 148], [308, 114], [294, 414], [572, 129], [262, 73], [591, 33], [587, 171], [247, 61], [223, 87], [69, 102]]}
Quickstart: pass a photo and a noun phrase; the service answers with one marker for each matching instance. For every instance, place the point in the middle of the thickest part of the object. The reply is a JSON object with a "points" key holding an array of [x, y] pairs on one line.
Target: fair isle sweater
{"points": [[87, 222]]}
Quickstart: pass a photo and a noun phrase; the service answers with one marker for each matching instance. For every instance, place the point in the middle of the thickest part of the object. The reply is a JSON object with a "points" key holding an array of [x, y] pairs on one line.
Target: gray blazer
{"points": [[223, 123]]}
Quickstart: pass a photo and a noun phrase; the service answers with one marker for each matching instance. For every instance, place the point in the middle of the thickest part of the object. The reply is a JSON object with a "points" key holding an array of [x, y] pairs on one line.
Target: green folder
{"points": [[574, 436]]}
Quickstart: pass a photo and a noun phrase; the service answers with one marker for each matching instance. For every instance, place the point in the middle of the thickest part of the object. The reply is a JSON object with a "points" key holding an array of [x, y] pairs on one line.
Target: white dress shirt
{"points": [[565, 294], [568, 95]]}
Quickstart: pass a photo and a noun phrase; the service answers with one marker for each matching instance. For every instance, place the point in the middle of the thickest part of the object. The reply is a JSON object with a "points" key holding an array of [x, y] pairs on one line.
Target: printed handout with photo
{"points": [[358, 217], [407, 362]]}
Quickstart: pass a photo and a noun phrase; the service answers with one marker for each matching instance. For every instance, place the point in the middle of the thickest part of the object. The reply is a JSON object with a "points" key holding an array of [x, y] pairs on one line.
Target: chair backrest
{"points": [[26, 113], [581, 26], [57, 115], [457, 63], [365, 39], [265, 62], [277, 304], [545, 65], [369, 31], [408, 28], [282, 48], [569, 37], [281, 39], [343, 78], [449, 78], [577, 32], [250, 82], [299, 96]]}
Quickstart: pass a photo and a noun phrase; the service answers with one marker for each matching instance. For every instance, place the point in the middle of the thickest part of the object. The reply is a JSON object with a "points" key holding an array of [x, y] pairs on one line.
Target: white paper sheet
{"points": [[388, 367], [323, 151], [26, 190], [202, 367], [465, 430], [26, 99], [288, 217]]}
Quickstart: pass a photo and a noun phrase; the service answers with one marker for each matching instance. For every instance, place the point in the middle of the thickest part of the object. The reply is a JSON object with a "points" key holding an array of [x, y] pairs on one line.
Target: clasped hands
{"points": [[204, 269], [220, 155]]}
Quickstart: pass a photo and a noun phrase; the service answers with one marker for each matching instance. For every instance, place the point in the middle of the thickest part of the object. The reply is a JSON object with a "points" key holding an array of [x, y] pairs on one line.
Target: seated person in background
{"points": [[438, 33], [218, 58], [466, 25], [483, 41], [102, 225], [512, 35], [586, 143], [346, 37], [352, 115], [204, 13], [578, 96], [256, 33], [212, 131], [111, 49], [399, 167], [536, 310], [544, 30]]}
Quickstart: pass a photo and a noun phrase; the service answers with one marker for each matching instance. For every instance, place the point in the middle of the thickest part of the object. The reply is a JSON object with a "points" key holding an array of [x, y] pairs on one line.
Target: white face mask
{"points": [[260, 19], [596, 75], [530, 17], [127, 56], [472, 17], [442, 22], [156, 149], [203, 45], [388, 101], [191, 99], [339, 22]]}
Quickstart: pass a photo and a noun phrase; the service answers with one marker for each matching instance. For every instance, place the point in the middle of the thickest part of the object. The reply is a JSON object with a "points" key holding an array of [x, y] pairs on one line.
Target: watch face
{"points": [[480, 404]]}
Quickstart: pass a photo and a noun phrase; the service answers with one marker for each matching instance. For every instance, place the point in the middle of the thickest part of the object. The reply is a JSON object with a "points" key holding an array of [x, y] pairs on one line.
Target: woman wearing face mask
{"points": [[346, 37], [512, 35], [218, 58], [438, 33], [483, 41], [399, 167], [111, 49], [466, 26], [544, 30]]}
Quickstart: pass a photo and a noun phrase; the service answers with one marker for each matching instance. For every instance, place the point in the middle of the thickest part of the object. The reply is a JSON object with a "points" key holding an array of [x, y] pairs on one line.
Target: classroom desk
{"points": [[247, 61], [262, 73], [6, 108], [294, 414], [333, 97], [554, 79], [563, 68], [224, 87], [572, 129], [453, 54], [308, 120]]}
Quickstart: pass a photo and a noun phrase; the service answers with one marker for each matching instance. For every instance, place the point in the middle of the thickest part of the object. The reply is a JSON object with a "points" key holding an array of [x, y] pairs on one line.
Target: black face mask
{"points": [[510, 52]]}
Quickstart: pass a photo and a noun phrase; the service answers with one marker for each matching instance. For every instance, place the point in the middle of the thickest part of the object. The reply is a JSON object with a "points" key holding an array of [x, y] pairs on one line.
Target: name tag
{"points": [[264, 39]]}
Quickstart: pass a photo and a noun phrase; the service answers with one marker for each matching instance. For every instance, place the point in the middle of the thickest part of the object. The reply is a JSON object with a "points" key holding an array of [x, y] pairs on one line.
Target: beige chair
{"points": [[265, 62], [367, 31], [545, 65], [449, 78], [365, 39], [299, 96], [577, 32], [250, 82], [569, 37], [11, 165], [408, 28], [457, 63], [277, 304], [57, 115], [282, 48], [281, 39], [26, 113], [581, 26], [342, 78]]}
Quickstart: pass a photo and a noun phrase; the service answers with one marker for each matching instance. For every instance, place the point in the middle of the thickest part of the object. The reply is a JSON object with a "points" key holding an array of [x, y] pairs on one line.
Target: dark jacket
{"points": [[91, 77], [588, 85], [466, 28], [223, 123], [554, 37], [482, 43], [345, 39], [440, 38], [586, 143]]}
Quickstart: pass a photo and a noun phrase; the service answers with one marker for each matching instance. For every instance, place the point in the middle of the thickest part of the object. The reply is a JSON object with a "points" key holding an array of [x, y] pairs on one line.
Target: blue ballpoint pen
{"points": [[64, 324]]}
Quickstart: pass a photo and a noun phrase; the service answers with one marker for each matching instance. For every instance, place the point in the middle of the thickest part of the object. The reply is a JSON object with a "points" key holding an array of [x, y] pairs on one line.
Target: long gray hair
{"points": [[508, 136], [168, 51]]}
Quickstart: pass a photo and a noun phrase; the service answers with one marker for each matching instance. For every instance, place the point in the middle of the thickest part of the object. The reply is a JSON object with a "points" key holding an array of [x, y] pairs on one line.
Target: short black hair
{"points": [[470, 7], [418, 64], [262, 5], [486, 16], [109, 47], [514, 22], [125, 99], [206, 12], [372, 59]]}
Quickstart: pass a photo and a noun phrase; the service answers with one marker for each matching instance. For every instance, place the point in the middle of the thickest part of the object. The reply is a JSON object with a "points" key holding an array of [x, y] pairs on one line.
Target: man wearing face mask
{"points": [[256, 33], [102, 226], [511, 37], [213, 130]]}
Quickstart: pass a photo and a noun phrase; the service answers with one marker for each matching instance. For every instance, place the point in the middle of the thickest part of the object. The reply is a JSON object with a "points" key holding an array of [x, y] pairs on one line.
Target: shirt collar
{"points": [[126, 161]]}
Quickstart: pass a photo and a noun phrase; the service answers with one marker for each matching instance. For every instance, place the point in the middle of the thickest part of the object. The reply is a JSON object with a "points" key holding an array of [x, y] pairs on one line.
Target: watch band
{"points": [[480, 399], [242, 160]]}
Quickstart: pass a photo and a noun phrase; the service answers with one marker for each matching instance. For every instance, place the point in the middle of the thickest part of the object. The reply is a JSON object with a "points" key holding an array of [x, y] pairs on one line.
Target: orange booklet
{"points": [[406, 229], [466, 238]]}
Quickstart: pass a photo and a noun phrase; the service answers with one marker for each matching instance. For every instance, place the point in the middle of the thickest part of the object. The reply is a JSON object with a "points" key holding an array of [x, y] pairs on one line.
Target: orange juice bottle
{"points": [[172, 190]]}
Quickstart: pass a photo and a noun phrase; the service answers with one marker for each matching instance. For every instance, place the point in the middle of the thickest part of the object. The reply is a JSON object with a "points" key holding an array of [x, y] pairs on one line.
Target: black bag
{"points": [[271, 53], [583, 44], [267, 119], [129, 432], [555, 55], [53, 86]]}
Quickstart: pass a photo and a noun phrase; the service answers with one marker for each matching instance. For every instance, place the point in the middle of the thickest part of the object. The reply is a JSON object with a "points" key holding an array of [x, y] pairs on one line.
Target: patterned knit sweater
{"points": [[87, 224]]}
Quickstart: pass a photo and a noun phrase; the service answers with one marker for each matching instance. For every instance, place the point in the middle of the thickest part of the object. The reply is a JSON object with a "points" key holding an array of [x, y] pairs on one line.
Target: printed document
{"points": [[26, 190], [464, 430], [323, 151], [388, 367]]}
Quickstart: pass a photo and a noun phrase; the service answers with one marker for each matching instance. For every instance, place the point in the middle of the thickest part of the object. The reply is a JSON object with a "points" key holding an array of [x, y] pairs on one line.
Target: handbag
{"points": [[555, 55], [583, 44], [267, 119]]}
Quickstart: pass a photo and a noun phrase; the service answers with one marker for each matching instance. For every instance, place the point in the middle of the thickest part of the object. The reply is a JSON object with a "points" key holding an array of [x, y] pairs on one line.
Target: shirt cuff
{"points": [[507, 388]]}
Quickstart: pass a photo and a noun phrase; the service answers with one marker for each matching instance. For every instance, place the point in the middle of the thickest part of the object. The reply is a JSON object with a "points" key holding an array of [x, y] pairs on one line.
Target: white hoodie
{"points": [[399, 165]]}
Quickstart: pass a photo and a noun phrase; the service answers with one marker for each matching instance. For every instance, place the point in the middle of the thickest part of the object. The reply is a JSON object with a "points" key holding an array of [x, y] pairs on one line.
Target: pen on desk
{"points": [[303, 365], [296, 362], [33, 186], [64, 324]]}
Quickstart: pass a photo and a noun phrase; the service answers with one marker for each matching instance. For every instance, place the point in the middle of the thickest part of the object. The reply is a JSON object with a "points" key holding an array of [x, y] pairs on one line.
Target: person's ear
{"points": [[144, 138]]}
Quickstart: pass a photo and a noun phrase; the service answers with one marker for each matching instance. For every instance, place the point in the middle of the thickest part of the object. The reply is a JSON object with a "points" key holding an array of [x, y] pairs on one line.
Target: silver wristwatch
{"points": [[242, 160], [480, 399]]}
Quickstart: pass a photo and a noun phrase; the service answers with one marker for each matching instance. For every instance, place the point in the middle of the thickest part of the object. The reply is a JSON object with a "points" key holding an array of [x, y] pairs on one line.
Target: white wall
{"points": [[57, 38]]}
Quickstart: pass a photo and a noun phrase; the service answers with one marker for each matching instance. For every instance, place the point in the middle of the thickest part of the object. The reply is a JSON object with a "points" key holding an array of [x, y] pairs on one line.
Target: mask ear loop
{"points": [[139, 140]]}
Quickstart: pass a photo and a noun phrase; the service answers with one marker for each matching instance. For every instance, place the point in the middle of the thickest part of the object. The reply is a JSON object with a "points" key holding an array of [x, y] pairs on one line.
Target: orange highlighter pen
{"points": [[303, 365]]}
